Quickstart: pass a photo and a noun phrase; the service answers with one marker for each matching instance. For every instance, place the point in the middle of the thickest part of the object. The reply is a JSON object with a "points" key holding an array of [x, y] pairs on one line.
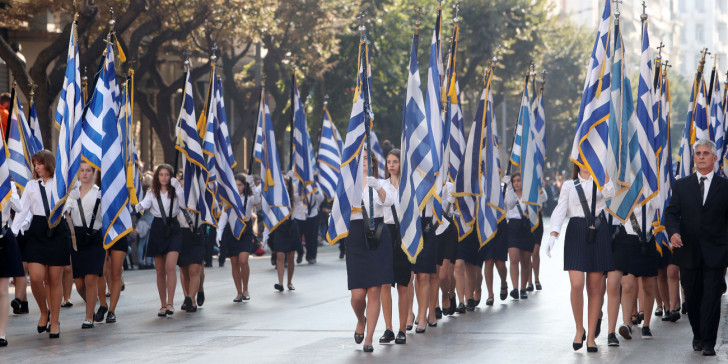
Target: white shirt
{"points": [[229, 219], [511, 199], [569, 204], [638, 216], [447, 200], [32, 203], [14, 203], [88, 201], [707, 183], [379, 206], [150, 201], [393, 194], [300, 208]]}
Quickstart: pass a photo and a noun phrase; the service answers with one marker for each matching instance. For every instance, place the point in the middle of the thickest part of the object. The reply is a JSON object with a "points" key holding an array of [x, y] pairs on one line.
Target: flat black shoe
{"points": [[432, 324], [279, 287], [238, 298], [476, 303], [438, 312], [489, 301], [246, 298], [612, 340], [453, 304], [200, 298], [191, 309], [538, 286], [170, 312], [529, 287], [420, 331], [3, 342], [504, 293], [591, 349], [188, 304], [67, 304], [471, 305], [658, 311], [15, 304], [401, 338], [358, 338], [387, 337], [87, 325], [675, 315], [291, 287], [99, 315], [461, 308], [697, 346], [162, 312], [708, 352], [110, 318], [184, 304], [524, 295], [514, 294], [646, 333], [368, 348], [123, 287]]}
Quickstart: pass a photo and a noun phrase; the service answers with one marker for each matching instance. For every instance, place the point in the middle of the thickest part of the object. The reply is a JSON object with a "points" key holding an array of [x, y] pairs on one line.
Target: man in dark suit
{"points": [[697, 223]]}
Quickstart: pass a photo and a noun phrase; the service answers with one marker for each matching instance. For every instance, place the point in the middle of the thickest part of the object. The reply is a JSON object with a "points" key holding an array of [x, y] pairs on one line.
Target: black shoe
{"points": [[697, 345], [471, 305], [625, 331], [476, 302], [612, 339], [579, 345], [438, 313], [108, 294], [191, 309], [3, 342], [387, 337], [667, 316], [368, 348], [299, 259], [514, 294], [529, 287], [279, 287], [246, 298], [358, 338], [538, 286], [489, 301], [341, 255], [453, 304], [15, 304], [675, 315], [432, 324], [184, 305], [110, 318], [684, 310], [708, 352], [123, 287], [646, 333], [504, 293], [56, 335], [238, 298], [42, 329], [598, 330], [420, 331], [291, 287], [187, 304], [401, 338], [591, 349], [162, 312], [170, 312], [67, 304], [461, 308], [87, 325], [99, 315], [24, 307], [524, 295], [658, 311], [200, 298]]}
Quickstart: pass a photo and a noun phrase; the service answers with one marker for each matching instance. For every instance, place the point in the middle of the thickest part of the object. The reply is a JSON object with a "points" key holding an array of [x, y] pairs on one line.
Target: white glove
{"points": [[75, 194], [373, 182], [24, 226], [550, 245], [250, 180], [218, 238], [506, 180], [290, 174]]}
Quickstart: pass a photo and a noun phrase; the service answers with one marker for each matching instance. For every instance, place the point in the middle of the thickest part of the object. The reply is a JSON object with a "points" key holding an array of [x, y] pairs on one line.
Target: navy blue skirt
{"points": [[447, 245], [538, 233], [121, 245], [584, 256], [519, 234], [161, 244], [427, 259], [367, 268], [402, 268], [497, 248], [664, 259], [287, 237], [90, 256], [11, 261], [634, 257], [54, 250], [468, 249], [192, 250], [233, 247]]}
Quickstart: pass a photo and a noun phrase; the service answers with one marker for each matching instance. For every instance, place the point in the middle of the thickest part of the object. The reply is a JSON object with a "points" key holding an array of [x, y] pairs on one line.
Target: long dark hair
{"points": [[397, 153], [47, 160], [247, 191], [575, 172], [157, 186]]}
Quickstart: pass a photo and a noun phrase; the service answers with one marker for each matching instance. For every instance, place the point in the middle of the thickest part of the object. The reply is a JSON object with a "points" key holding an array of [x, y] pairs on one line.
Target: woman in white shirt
{"points": [[368, 261], [84, 205], [239, 249], [286, 241], [10, 256], [48, 249], [306, 215], [587, 249], [165, 201]]}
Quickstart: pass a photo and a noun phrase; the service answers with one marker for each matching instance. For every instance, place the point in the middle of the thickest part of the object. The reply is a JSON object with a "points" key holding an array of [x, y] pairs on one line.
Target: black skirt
{"points": [[538, 233], [54, 250], [193, 247], [89, 258], [584, 256], [400, 263], [367, 268], [664, 259], [161, 244], [519, 234], [233, 247], [427, 259], [447, 245], [497, 248], [11, 261], [634, 257], [287, 237], [22, 244], [468, 249], [121, 245]]}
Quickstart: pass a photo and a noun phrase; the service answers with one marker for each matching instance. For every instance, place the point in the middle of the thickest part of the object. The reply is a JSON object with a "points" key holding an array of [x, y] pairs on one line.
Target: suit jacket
{"points": [[703, 228]]}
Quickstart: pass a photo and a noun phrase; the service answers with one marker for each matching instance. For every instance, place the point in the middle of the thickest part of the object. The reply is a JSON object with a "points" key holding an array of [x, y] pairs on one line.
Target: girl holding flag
{"points": [[11, 262]]}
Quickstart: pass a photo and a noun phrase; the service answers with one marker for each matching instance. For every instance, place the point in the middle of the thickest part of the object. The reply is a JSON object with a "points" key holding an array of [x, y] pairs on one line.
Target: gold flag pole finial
{"points": [[665, 66], [543, 77], [213, 55], [701, 64], [326, 101], [187, 63], [643, 16]]}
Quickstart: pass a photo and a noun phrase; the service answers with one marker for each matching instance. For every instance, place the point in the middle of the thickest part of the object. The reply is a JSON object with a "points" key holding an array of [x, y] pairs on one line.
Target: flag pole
{"points": [[367, 108], [712, 79], [251, 158], [291, 162], [643, 19], [658, 65], [10, 112], [515, 132]]}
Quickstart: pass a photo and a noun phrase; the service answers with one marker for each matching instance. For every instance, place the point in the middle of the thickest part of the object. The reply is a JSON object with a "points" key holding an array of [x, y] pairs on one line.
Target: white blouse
{"points": [[14, 203], [379, 206], [447, 202], [88, 202], [150, 201], [229, 219], [511, 199], [393, 194], [638, 216], [300, 209], [569, 204], [32, 203]]}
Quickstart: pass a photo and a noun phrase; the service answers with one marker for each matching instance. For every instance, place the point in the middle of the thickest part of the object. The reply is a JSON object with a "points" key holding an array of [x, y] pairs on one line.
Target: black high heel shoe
{"points": [[420, 331], [46, 327], [504, 292], [591, 349], [514, 294], [579, 345], [368, 348], [56, 335]]}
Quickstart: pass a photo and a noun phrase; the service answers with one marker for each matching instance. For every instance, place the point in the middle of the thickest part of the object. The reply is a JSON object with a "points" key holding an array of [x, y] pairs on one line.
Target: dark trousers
{"points": [[309, 229], [703, 288]]}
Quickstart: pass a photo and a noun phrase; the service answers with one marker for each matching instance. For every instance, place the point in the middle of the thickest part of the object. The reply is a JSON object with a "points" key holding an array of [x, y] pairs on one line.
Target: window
{"points": [[699, 32]]}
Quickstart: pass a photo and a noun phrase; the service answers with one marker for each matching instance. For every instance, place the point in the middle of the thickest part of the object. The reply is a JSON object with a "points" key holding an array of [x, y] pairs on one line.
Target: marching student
{"points": [[306, 215], [10, 257], [446, 253], [286, 241]]}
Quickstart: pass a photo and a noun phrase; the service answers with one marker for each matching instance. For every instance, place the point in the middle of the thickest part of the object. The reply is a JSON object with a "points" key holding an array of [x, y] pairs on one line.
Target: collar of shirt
{"points": [[583, 180], [709, 176]]}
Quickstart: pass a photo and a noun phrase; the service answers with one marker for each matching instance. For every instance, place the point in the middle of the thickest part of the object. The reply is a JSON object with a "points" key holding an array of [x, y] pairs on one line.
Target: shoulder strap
{"points": [[96, 210], [161, 208], [582, 199], [396, 218], [520, 210], [364, 215], [82, 213], [44, 196]]}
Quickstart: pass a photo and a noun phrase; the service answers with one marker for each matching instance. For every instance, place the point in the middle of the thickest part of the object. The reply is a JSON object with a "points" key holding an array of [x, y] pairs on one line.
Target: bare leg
{"points": [[386, 296], [67, 283], [628, 292], [237, 280], [359, 304], [673, 284], [662, 295], [434, 291], [159, 266], [536, 264], [21, 285], [577, 301], [170, 268], [595, 287], [460, 279], [488, 273], [649, 287], [444, 278], [525, 257], [184, 279], [91, 281], [4, 305], [292, 267], [422, 290], [193, 281], [404, 308], [80, 287], [244, 272], [515, 257], [372, 312], [471, 281], [614, 280], [55, 276], [411, 298], [37, 278], [280, 265]]}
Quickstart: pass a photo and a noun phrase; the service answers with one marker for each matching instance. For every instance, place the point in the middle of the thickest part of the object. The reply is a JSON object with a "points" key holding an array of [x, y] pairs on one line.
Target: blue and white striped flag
{"points": [[6, 184], [590, 142], [533, 164], [524, 114], [417, 180], [717, 121], [68, 120], [467, 182], [19, 146], [349, 190], [490, 202], [328, 161], [456, 143], [646, 104], [700, 112], [116, 220], [206, 126], [197, 197], [35, 133], [379, 153], [666, 175], [276, 204], [303, 149], [434, 117], [696, 127], [227, 190]]}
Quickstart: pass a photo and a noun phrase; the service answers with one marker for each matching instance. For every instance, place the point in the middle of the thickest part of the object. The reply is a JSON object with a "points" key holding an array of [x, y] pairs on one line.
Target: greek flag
{"points": [[303, 149], [19, 146], [379, 153], [36, 136], [276, 204], [623, 163], [456, 144], [516, 152], [206, 126], [68, 120], [6, 187], [434, 117], [467, 182], [197, 197], [490, 202], [116, 221], [533, 164], [417, 180], [717, 121], [590, 142], [700, 112], [329, 157], [227, 190], [696, 127], [348, 191], [128, 146], [646, 102], [666, 175]]}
